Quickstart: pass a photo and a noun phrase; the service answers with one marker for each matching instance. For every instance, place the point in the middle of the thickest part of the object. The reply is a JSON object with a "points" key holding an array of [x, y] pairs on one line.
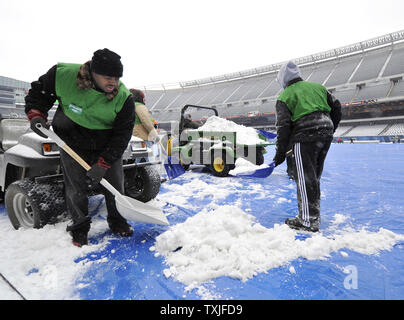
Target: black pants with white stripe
{"points": [[307, 166]]}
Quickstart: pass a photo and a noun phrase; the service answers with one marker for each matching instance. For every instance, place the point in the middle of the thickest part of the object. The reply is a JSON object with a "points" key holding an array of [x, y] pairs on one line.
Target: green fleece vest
{"points": [[305, 97], [89, 108]]}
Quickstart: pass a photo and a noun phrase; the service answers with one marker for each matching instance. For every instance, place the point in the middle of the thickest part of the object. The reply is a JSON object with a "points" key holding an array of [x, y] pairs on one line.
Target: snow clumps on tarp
{"points": [[229, 242]]}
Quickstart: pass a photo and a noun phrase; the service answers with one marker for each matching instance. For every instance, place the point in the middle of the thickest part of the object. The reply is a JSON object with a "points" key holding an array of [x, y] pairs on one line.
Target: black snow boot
{"points": [[79, 238], [295, 223], [79, 231], [121, 227]]}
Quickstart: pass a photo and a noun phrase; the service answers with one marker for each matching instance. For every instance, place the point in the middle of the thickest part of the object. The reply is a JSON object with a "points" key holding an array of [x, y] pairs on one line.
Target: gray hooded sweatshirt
{"points": [[288, 72]]}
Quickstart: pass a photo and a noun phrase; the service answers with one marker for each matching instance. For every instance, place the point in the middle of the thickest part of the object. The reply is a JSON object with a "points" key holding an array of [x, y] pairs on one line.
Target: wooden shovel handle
{"points": [[63, 145], [76, 157]]}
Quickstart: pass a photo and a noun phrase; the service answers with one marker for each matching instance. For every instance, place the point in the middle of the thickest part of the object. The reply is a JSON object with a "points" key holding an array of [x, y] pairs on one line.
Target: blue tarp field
{"points": [[227, 240]]}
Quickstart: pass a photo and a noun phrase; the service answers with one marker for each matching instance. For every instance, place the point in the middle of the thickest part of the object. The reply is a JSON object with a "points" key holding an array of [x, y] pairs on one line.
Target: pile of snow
{"points": [[244, 135], [229, 242], [243, 166]]}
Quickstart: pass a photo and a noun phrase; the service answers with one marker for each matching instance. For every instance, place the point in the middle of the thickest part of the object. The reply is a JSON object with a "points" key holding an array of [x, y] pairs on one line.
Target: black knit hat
{"points": [[107, 63]]}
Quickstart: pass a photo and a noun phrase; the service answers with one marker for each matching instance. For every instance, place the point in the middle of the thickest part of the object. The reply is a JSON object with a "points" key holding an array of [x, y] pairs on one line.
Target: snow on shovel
{"points": [[245, 169], [258, 173], [129, 208]]}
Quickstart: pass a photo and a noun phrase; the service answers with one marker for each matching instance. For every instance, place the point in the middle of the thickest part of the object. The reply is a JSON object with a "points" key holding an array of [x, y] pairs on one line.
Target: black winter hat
{"points": [[107, 63]]}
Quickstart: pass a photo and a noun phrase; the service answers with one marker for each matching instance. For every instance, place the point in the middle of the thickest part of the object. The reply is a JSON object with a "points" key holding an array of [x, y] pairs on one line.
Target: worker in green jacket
{"points": [[307, 115], [95, 118]]}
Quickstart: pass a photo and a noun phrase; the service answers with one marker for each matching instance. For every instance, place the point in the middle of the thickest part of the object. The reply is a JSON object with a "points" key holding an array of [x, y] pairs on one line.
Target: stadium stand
{"points": [[341, 69], [342, 130], [12, 93], [367, 130], [395, 129], [398, 89], [367, 77], [395, 65]]}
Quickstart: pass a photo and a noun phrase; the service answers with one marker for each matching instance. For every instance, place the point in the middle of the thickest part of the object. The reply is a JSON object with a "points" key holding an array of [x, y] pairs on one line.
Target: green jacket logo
{"points": [[75, 109]]}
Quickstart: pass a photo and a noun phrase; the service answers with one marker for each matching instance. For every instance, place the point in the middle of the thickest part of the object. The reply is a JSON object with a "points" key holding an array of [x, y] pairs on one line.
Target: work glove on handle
{"points": [[96, 173], [36, 116]]}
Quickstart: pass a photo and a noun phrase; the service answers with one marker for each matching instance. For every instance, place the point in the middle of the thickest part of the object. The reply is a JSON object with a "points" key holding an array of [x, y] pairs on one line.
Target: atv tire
{"points": [[219, 167], [142, 183], [33, 205]]}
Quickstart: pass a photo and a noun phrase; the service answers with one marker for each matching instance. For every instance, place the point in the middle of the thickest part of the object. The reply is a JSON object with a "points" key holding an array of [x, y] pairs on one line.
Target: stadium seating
{"points": [[366, 71], [395, 65], [395, 129], [367, 130], [371, 65], [398, 89], [343, 71], [321, 72], [374, 91], [345, 95], [342, 130]]}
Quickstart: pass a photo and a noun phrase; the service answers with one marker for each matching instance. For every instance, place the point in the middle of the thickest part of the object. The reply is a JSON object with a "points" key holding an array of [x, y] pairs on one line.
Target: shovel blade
{"points": [[135, 210], [267, 134], [173, 170], [259, 173]]}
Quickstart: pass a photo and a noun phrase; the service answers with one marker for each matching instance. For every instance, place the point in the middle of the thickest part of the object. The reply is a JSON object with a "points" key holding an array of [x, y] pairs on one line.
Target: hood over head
{"points": [[288, 72]]}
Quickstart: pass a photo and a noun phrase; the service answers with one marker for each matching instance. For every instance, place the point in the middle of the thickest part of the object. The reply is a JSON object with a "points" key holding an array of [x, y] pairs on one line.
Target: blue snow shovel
{"points": [[267, 134], [259, 173], [264, 172], [172, 166]]}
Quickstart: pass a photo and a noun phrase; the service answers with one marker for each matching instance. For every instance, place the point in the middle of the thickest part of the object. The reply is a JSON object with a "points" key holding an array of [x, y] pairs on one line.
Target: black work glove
{"points": [[96, 173], [279, 158], [36, 116]]}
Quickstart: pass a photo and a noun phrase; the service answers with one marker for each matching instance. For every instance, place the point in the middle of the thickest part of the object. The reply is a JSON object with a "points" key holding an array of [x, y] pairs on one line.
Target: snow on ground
{"points": [[42, 263], [229, 242], [222, 234]]}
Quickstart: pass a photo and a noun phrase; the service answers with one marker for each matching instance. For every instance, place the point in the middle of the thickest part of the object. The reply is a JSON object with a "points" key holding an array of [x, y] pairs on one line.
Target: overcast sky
{"points": [[167, 41]]}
